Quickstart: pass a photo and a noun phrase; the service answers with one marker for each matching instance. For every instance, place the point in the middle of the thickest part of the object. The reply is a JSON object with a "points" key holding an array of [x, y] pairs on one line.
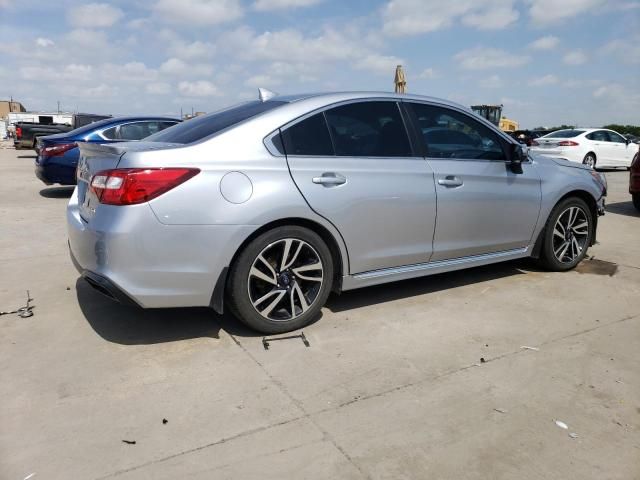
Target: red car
{"points": [[634, 180]]}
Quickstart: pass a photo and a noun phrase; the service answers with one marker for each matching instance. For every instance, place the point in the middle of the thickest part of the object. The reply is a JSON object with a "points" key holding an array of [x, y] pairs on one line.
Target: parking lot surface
{"points": [[420, 379]]}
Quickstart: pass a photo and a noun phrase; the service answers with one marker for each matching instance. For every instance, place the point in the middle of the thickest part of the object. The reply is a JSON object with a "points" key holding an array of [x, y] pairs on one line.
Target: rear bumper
{"points": [[128, 255], [103, 285], [51, 171]]}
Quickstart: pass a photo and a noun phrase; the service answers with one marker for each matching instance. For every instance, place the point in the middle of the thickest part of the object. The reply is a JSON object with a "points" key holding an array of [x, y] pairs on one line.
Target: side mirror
{"points": [[517, 155]]}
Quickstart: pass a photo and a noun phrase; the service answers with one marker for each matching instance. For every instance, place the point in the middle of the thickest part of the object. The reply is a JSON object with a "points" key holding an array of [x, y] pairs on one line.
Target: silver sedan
{"points": [[268, 206]]}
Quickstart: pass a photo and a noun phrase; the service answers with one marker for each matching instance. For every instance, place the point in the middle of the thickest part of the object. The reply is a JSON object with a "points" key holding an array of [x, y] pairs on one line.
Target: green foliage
{"points": [[553, 129], [624, 129]]}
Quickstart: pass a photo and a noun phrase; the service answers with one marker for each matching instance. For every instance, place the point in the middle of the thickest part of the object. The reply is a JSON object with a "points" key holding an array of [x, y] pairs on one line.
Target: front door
{"points": [[483, 207], [620, 152], [355, 167]]}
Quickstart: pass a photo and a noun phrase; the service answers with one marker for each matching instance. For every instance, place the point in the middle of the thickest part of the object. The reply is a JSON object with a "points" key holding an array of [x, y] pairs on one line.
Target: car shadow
{"points": [[27, 156], [57, 192], [389, 292], [622, 208], [126, 325]]}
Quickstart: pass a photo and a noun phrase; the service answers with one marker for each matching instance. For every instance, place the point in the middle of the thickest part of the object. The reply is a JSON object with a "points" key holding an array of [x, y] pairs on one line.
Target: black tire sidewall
{"points": [[240, 304], [550, 260], [635, 198]]}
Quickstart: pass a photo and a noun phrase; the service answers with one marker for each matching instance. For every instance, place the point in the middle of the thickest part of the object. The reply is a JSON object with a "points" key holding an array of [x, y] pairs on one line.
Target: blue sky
{"points": [[547, 61]]}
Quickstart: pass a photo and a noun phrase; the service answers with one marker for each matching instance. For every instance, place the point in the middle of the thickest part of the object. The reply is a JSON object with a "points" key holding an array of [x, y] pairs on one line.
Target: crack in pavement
{"points": [[325, 433]]}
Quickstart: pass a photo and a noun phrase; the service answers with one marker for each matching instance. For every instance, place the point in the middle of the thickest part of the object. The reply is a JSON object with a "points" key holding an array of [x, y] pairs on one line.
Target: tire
{"points": [[253, 281], [554, 256], [590, 160], [636, 200]]}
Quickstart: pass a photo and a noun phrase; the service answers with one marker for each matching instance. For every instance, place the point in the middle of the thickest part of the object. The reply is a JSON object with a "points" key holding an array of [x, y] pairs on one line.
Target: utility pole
{"points": [[58, 106]]}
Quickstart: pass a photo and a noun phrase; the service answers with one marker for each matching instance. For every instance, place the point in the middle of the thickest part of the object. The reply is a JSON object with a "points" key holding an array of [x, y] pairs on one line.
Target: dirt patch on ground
{"points": [[597, 267]]}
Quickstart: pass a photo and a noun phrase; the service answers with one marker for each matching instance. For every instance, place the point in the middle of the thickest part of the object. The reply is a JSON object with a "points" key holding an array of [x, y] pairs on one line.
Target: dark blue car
{"points": [[58, 154]]}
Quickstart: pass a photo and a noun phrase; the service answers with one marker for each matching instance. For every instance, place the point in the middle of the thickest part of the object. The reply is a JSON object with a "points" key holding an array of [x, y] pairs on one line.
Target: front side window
{"points": [[308, 137], [451, 134], [614, 137], [368, 129]]}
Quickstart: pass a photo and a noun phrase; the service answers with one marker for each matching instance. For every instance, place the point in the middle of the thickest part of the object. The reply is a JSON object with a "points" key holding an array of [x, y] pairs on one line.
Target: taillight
{"points": [[534, 143], [55, 150], [18, 133], [568, 143], [130, 186]]}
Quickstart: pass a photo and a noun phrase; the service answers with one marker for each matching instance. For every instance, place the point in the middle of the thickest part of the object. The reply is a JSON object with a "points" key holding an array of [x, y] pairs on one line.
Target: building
{"points": [[508, 125], [9, 106]]}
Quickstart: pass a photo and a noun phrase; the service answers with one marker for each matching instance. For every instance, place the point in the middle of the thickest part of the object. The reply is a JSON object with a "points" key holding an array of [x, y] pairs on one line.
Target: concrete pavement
{"points": [[391, 387]]}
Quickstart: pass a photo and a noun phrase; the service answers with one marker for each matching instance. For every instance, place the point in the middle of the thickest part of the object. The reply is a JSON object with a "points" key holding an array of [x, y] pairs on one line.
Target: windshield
{"points": [[565, 134], [198, 128]]}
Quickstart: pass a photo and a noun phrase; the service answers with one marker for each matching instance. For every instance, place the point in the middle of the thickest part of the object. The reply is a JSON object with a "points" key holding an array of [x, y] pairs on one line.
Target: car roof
{"points": [[334, 97]]}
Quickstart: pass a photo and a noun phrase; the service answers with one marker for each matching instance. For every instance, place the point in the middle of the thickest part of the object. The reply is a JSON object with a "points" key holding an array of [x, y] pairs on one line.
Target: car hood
{"points": [[563, 162]]}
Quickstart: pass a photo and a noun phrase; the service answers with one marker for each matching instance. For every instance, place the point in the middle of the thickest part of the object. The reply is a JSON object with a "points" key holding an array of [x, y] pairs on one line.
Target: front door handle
{"points": [[450, 181], [330, 179]]}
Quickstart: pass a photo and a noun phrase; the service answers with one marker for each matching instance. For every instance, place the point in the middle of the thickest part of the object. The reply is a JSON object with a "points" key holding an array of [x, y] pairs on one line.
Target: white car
{"points": [[595, 147]]}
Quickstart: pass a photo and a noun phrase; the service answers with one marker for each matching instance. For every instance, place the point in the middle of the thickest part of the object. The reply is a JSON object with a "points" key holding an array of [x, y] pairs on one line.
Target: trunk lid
{"points": [[94, 158]]}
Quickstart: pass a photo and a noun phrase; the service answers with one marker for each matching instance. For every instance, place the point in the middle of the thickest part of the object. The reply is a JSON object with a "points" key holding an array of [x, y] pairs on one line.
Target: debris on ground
{"points": [[129, 442], [23, 312], [165, 421], [501, 410], [31, 475], [525, 347], [573, 435], [482, 360], [266, 341], [561, 424]]}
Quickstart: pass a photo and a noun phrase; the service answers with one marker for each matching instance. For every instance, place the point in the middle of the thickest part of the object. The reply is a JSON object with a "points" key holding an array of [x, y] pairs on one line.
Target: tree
{"points": [[624, 129]]}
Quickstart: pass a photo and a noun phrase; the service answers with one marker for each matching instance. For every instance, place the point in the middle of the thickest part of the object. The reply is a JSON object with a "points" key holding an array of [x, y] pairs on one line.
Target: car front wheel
{"points": [[568, 235], [281, 280]]}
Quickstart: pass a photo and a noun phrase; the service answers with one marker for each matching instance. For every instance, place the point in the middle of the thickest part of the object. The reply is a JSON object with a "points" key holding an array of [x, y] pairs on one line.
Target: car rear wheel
{"points": [[281, 280], [567, 235], [590, 160], [636, 200]]}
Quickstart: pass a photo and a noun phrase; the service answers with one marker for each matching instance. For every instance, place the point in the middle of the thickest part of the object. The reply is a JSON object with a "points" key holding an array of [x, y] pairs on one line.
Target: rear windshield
{"points": [[90, 127], [198, 128], [565, 134]]}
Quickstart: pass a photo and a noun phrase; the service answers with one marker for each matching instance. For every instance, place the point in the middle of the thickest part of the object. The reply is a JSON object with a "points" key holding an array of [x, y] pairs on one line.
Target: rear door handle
{"points": [[450, 181], [330, 179]]}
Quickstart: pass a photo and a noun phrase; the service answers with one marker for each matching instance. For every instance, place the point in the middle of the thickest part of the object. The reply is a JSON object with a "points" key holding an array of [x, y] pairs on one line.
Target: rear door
{"points": [[355, 166], [483, 207]]}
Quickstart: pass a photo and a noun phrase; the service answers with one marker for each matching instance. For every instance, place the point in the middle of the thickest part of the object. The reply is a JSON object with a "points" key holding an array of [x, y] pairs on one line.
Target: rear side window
{"points": [[134, 131], [308, 137], [198, 128], [451, 134], [368, 129], [598, 136], [565, 134]]}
